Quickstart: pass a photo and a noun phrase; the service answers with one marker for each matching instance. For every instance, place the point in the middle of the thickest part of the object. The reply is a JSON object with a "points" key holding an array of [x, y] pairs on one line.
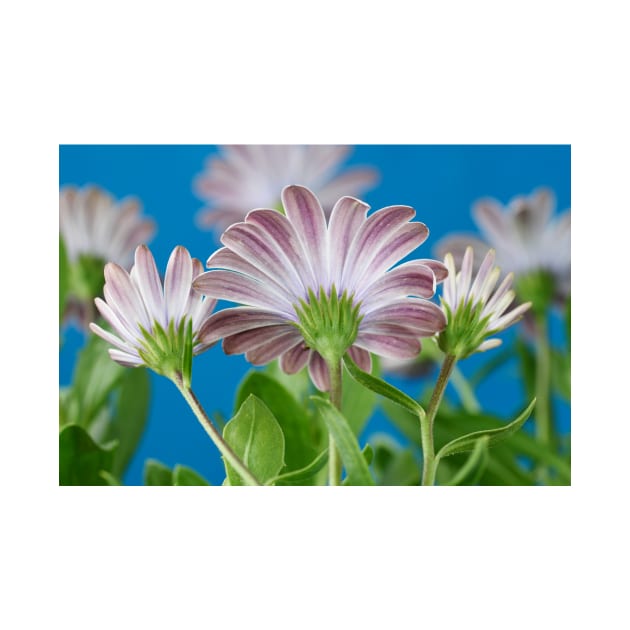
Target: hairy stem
{"points": [[334, 461]]}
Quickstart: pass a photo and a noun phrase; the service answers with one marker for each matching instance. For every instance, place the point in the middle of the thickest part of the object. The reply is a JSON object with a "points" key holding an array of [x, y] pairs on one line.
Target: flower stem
{"points": [[543, 426], [230, 456], [426, 421], [334, 461], [465, 391]]}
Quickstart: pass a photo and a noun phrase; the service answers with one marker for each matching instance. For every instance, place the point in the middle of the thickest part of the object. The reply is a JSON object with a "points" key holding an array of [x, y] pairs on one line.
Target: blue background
{"points": [[440, 182]]}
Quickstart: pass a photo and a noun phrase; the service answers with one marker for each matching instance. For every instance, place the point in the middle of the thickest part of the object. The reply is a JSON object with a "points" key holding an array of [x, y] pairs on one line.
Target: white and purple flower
{"points": [[312, 290], [251, 176], [474, 309], [150, 323], [525, 235]]}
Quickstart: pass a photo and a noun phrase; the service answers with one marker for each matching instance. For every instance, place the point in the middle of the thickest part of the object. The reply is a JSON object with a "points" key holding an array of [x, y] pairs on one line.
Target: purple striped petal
{"points": [[318, 371], [439, 269], [231, 321], [149, 284], [177, 281], [346, 218], [361, 357], [248, 340], [124, 358], [232, 286], [456, 245], [294, 359], [389, 345], [273, 348], [122, 294], [305, 213], [107, 336], [491, 220], [125, 330], [423, 316]]}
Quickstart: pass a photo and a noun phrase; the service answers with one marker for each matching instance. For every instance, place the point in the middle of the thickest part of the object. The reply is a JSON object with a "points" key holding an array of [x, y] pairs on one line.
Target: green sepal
{"points": [[471, 471], [256, 437], [466, 329], [353, 459], [188, 355], [468, 442]]}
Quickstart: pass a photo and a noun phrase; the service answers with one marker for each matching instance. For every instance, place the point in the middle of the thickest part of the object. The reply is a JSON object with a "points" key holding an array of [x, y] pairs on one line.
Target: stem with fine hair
{"points": [[426, 421], [334, 461], [230, 456]]}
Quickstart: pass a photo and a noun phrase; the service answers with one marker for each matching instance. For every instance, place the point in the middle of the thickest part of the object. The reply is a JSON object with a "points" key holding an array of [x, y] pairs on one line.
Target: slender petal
{"points": [[294, 359], [389, 345], [247, 340], [318, 371], [273, 348], [361, 357]]}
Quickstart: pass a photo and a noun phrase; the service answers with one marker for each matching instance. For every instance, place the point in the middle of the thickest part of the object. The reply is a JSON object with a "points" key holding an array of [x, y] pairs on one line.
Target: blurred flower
{"points": [[252, 176], [474, 309], [313, 290], [92, 223], [527, 241], [153, 325], [96, 229]]}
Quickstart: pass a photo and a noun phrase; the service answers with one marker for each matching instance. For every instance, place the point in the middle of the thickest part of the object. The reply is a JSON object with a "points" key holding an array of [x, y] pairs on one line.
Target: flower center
{"points": [[328, 323]]}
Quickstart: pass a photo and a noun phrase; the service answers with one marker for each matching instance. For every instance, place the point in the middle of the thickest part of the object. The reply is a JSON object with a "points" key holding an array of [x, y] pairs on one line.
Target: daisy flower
{"points": [[526, 237], [243, 177], [92, 223], [474, 309], [153, 325], [312, 290]]}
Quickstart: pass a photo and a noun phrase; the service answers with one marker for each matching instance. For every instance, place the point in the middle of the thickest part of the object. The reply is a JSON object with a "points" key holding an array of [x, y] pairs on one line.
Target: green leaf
{"points": [[110, 479], [354, 461], [81, 460], [129, 417], [297, 477], [467, 442], [64, 278], [303, 434], [382, 388], [184, 476], [561, 373], [357, 402], [472, 470], [95, 376], [298, 385], [394, 465], [256, 437], [157, 474]]}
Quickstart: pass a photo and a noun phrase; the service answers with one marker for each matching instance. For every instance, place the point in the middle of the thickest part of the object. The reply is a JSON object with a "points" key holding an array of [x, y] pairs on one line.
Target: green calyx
{"points": [[537, 287], [465, 331], [328, 323], [169, 352]]}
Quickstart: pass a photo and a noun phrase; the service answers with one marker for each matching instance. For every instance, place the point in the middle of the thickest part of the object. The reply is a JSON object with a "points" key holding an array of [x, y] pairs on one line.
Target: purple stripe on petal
{"points": [[125, 359], [390, 328], [305, 213], [439, 269], [361, 357], [232, 286], [123, 296], [231, 321], [346, 218], [389, 346], [128, 333], [294, 359], [177, 281], [272, 349], [492, 221], [318, 371], [457, 245], [247, 340], [418, 314], [149, 284], [109, 338]]}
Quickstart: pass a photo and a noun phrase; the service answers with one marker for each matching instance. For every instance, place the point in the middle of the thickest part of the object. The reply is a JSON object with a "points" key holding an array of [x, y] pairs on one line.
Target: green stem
{"points": [[543, 425], [334, 461], [426, 421], [230, 456]]}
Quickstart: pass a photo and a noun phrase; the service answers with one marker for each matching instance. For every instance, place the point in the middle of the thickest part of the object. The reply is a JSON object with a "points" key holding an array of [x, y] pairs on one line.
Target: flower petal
{"points": [[318, 371], [389, 345], [294, 359], [248, 340], [273, 348], [421, 315], [124, 358], [121, 294], [352, 182], [361, 357], [231, 321], [177, 281], [149, 284]]}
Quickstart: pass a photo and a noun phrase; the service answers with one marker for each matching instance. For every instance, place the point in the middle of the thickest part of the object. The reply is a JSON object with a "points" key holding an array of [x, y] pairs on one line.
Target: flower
{"points": [[474, 310], [93, 224], [311, 290], [525, 237], [153, 325], [252, 176]]}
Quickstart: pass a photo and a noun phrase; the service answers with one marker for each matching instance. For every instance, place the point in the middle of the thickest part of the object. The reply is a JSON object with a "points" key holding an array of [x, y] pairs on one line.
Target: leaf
{"points": [[109, 478], [379, 386], [157, 474], [131, 410], [95, 376], [467, 442], [357, 402], [64, 278], [184, 476], [354, 461], [297, 476], [298, 385], [394, 465], [303, 434], [561, 373], [81, 460], [473, 468], [256, 437]]}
